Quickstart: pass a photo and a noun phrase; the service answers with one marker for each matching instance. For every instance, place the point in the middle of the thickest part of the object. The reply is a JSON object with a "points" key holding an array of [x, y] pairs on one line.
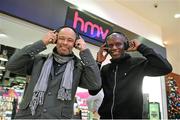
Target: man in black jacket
{"points": [[122, 78]]}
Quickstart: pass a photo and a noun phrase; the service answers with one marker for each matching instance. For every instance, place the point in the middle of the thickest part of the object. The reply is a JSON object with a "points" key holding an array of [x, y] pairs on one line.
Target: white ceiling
{"points": [[163, 15]]}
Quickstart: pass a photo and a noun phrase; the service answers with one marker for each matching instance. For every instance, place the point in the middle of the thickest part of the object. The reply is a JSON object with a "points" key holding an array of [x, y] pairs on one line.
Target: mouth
{"points": [[115, 52], [63, 48]]}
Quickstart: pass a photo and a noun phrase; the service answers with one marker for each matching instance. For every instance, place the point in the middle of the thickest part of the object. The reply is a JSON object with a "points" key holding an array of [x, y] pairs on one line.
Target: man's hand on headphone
{"points": [[133, 45], [80, 44], [102, 53], [50, 37]]}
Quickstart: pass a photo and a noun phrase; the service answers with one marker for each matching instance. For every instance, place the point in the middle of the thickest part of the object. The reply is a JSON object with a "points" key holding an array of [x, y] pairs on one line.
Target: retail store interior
{"points": [[161, 94]]}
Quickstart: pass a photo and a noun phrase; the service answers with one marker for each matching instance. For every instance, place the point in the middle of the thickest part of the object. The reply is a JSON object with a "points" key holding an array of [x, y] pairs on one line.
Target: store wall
{"points": [[122, 16], [173, 53]]}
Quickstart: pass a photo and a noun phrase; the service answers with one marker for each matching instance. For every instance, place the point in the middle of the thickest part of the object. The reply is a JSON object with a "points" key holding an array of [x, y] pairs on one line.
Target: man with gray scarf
{"points": [[54, 77]]}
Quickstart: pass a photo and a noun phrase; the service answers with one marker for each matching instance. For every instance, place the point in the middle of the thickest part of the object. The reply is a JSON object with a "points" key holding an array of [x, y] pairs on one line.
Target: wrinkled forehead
{"points": [[116, 37], [67, 32]]}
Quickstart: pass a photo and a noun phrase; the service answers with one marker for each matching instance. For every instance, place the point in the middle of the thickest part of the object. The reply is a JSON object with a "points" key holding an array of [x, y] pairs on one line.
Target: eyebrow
{"points": [[65, 36]]}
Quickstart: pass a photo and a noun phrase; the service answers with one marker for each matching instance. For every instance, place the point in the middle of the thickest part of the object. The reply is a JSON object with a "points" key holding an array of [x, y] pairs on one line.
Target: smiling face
{"points": [[116, 45], [66, 40]]}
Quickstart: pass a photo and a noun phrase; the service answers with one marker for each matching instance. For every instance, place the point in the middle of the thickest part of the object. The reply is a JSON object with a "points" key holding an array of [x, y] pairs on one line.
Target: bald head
{"points": [[67, 32], [117, 35]]}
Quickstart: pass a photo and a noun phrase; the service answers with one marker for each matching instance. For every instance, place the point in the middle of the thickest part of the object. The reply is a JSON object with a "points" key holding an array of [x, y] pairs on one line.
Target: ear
{"points": [[77, 36]]}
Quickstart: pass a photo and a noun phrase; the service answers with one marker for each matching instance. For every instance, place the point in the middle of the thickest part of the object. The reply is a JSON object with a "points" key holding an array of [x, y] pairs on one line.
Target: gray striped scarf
{"points": [[64, 92]]}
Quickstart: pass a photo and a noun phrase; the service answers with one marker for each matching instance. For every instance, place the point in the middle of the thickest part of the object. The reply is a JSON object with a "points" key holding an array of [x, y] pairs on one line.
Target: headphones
{"points": [[126, 43], [60, 28]]}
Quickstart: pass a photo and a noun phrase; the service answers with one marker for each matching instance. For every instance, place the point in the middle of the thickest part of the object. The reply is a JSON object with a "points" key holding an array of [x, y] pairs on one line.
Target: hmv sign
{"points": [[88, 25]]}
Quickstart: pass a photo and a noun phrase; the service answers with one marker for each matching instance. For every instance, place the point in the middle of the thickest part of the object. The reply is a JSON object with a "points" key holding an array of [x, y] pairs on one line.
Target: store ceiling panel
{"points": [[160, 12]]}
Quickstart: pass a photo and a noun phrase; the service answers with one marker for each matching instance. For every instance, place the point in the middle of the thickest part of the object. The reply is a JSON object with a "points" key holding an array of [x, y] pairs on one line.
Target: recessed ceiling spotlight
{"points": [[165, 43], [177, 16]]}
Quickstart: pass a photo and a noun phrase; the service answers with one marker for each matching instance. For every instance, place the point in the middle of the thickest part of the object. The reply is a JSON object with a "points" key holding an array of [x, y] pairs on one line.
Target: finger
{"points": [[106, 54], [80, 37], [54, 31], [77, 44], [51, 32], [50, 40], [54, 40], [131, 44], [103, 45]]}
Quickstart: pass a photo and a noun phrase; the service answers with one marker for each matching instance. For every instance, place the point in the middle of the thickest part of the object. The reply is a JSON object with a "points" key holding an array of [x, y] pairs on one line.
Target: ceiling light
{"points": [[2, 35], [165, 43], [2, 67], [3, 56], [177, 16], [1, 73], [7, 74]]}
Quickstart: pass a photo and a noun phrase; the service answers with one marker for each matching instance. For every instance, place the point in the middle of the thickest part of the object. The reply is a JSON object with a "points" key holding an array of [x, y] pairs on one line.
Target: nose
{"points": [[114, 47], [64, 41]]}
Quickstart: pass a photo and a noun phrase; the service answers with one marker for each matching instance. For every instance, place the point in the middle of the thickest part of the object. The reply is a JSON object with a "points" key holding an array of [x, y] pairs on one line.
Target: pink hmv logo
{"points": [[88, 27]]}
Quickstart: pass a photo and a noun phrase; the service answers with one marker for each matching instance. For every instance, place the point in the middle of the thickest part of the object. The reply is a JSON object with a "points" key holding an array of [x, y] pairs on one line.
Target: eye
{"points": [[70, 40], [111, 45], [62, 38], [118, 44]]}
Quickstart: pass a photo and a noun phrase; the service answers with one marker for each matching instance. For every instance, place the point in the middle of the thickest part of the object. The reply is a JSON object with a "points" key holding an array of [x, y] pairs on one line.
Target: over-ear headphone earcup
{"points": [[107, 47], [126, 45], [77, 36]]}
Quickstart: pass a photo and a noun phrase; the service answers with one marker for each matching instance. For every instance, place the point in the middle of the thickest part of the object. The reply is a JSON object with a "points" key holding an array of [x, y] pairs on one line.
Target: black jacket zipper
{"points": [[114, 89]]}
